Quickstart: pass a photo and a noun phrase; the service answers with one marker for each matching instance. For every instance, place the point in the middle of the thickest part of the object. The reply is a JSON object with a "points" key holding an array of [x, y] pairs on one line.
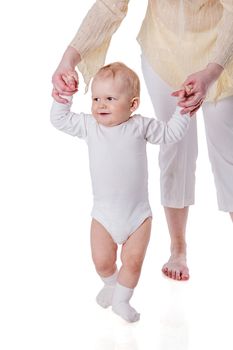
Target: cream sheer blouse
{"points": [[178, 37]]}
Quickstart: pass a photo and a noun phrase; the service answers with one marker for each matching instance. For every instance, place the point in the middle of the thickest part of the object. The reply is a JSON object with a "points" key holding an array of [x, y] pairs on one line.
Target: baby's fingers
{"points": [[57, 97], [70, 82], [191, 101], [178, 93]]}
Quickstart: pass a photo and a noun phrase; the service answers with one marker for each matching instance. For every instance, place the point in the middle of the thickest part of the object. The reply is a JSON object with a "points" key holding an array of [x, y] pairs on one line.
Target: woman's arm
{"points": [[89, 46], [195, 88], [223, 51], [99, 25], [65, 78], [201, 81]]}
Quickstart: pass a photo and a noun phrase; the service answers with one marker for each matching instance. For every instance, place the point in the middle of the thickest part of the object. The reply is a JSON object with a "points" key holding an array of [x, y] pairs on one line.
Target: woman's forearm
{"points": [[214, 70], [71, 57], [223, 51], [65, 77]]}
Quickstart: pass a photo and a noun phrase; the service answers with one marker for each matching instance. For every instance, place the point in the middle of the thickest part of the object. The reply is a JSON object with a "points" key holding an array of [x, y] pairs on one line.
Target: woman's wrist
{"points": [[214, 70], [70, 58]]}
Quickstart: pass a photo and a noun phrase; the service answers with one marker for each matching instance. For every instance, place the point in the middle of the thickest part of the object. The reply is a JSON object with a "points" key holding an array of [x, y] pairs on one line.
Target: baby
{"points": [[121, 212]]}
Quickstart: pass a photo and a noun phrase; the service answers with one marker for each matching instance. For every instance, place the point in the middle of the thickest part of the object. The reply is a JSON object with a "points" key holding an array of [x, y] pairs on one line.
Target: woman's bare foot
{"points": [[176, 267]]}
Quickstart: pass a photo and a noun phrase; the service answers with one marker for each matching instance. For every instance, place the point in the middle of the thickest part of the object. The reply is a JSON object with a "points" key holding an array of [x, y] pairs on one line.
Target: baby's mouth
{"points": [[104, 114]]}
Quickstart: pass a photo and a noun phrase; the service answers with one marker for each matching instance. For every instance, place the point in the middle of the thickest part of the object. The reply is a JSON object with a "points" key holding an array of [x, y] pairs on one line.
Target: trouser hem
{"points": [[226, 210], [177, 205]]}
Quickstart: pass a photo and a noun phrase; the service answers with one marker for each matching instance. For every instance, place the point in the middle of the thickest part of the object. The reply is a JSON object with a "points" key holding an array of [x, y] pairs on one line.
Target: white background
{"points": [[47, 281]]}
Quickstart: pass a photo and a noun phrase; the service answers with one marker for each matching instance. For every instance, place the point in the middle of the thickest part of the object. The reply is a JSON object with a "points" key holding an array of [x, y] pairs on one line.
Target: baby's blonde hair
{"points": [[127, 76]]}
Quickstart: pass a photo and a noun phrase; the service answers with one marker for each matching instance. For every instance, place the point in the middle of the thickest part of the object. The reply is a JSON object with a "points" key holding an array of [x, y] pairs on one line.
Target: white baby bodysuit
{"points": [[118, 163]]}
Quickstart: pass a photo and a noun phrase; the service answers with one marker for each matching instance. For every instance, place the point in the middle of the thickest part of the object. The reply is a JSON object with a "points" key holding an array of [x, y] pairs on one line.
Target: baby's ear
{"points": [[134, 104]]}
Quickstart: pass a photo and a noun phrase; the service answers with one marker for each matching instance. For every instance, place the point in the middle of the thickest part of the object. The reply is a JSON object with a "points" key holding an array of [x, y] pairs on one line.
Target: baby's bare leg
{"points": [[132, 256], [104, 255]]}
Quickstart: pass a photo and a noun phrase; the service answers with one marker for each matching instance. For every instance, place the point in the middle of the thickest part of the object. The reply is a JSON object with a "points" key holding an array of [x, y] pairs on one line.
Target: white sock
{"points": [[104, 298], [120, 303]]}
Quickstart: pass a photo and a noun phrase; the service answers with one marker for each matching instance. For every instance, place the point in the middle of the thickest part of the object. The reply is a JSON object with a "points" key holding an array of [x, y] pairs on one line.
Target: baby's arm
{"points": [[157, 131], [63, 119]]}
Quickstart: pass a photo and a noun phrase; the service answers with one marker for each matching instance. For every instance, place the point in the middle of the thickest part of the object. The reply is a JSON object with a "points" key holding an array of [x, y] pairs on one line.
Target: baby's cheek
{"points": [[93, 110]]}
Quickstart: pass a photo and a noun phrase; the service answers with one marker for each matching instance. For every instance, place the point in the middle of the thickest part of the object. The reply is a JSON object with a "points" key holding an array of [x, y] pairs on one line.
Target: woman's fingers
{"points": [[64, 85], [195, 110], [191, 100], [192, 109], [71, 80], [192, 96], [58, 82], [189, 89], [66, 81], [74, 75]]}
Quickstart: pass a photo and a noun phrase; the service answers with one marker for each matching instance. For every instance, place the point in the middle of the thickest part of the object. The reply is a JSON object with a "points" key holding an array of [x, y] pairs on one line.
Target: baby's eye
{"points": [[96, 99], [110, 98]]}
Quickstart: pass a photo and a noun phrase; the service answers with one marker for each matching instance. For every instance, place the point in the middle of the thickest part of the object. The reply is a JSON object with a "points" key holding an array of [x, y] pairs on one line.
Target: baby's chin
{"points": [[107, 120], [107, 123]]}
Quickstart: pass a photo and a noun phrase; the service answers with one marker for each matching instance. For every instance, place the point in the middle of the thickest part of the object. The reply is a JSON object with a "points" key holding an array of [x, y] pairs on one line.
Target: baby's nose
{"points": [[103, 104]]}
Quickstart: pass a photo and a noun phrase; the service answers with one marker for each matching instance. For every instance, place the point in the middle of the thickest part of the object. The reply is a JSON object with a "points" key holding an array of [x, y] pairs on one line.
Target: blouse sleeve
{"points": [[64, 120], [94, 35], [224, 45]]}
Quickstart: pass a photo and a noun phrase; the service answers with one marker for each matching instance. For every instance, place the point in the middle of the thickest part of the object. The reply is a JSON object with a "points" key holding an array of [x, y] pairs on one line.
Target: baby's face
{"points": [[111, 102]]}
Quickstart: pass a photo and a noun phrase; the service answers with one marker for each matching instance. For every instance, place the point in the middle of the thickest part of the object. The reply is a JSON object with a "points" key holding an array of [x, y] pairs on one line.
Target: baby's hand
{"points": [[71, 80], [185, 95], [188, 96], [66, 84]]}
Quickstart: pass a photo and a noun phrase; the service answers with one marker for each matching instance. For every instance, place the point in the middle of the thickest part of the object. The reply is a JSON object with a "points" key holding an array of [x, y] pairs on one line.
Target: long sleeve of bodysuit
{"points": [[158, 132], [68, 122], [94, 35]]}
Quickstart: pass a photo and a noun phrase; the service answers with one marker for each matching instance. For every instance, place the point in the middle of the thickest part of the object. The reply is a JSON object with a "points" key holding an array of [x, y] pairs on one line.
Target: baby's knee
{"points": [[132, 262], [104, 265]]}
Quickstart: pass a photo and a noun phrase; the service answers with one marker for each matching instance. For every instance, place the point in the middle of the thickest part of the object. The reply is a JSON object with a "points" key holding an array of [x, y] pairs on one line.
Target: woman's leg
{"points": [[177, 180], [219, 135]]}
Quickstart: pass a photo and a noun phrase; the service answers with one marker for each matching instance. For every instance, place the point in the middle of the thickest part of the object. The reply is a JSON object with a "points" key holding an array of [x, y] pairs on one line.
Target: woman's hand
{"points": [[65, 78], [195, 88]]}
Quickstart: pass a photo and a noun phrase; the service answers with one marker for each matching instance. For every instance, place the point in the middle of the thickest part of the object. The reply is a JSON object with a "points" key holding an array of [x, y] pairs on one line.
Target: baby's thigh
{"points": [[134, 249], [103, 248]]}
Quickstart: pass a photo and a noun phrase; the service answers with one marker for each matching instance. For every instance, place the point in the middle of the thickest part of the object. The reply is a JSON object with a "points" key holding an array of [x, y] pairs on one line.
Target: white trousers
{"points": [[178, 161]]}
